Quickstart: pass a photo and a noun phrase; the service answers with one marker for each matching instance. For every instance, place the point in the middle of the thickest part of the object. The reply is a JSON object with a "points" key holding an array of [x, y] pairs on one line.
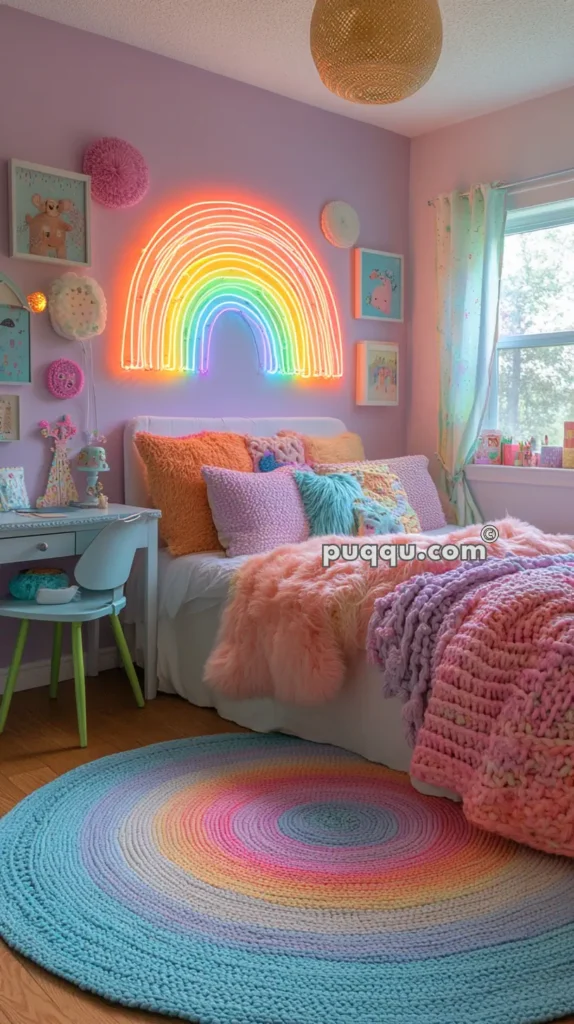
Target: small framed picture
{"points": [[15, 362], [377, 373], [9, 418], [378, 291], [49, 214], [13, 493]]}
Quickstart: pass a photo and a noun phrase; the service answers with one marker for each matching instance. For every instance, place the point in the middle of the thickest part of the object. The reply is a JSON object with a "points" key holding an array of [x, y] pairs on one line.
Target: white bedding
{"points": [[203, 580]]}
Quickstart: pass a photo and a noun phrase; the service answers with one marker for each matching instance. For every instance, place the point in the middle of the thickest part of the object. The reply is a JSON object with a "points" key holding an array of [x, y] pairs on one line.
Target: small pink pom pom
{"points": [[64, 379], [119, 173]]}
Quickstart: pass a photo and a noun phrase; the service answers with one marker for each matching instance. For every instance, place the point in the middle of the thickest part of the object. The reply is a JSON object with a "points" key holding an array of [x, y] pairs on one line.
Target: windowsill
{"points": [[531, 476]]}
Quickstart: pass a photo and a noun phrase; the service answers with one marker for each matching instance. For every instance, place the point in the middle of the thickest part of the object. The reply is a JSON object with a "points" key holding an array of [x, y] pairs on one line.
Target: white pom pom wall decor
{"points": [[340, 224], [77, 307]]}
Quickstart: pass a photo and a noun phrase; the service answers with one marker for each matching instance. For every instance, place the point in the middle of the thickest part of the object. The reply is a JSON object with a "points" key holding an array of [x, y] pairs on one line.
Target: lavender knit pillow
{"points": [[255, 512]]}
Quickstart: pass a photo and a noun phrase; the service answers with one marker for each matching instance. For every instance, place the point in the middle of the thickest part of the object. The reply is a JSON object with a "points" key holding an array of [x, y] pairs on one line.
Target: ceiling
{"points": [[496, 52]]}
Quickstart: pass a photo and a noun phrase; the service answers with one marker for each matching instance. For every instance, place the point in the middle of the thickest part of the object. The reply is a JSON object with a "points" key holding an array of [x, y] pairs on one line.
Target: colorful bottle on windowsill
{"points": [[568, 454]]}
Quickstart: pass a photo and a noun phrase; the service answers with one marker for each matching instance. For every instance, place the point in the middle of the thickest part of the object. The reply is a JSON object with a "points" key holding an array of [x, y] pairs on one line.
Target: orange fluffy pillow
{"points": [[347, 447], [177, 488]]}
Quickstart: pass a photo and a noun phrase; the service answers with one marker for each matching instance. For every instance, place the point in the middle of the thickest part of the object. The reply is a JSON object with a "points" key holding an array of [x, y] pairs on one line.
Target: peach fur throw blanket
{"points": [[291, 627]]}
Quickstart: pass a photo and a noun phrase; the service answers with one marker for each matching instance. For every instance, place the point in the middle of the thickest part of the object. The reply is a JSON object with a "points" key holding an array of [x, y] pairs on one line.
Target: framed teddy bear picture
{"points": [[49, 214]]}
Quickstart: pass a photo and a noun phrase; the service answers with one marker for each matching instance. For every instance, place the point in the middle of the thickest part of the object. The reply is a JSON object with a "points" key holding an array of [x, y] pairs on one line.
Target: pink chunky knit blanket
{"points": [[405, 631], [292, 627], [499, 725]]}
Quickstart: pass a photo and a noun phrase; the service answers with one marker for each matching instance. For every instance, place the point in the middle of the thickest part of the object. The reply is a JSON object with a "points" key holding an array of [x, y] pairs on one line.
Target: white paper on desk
{"points": [[42, 515]]}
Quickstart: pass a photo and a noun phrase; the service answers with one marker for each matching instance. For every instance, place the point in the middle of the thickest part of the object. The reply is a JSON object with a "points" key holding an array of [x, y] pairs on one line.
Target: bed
{"points": [[192, 593]]}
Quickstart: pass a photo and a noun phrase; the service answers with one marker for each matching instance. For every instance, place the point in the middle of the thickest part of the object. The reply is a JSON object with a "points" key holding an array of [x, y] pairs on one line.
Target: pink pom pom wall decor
{"points": [[65, 379], [119, 173]]}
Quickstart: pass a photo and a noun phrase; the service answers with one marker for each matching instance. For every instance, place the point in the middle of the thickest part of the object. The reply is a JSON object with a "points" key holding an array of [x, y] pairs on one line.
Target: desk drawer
{"points": [[47, 547]]}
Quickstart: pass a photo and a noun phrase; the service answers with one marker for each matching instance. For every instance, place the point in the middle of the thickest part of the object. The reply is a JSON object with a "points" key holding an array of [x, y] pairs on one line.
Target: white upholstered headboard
{"points": [[134, 478]]}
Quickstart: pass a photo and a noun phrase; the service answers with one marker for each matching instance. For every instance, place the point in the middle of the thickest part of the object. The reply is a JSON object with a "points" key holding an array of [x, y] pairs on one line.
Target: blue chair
{"points": [[101, 572]]}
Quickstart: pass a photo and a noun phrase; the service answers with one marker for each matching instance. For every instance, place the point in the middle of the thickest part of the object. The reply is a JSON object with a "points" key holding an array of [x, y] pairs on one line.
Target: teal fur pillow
{"points": [[329, 502]]}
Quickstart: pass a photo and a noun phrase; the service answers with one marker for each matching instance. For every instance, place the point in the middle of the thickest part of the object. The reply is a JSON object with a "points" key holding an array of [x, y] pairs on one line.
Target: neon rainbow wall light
{"points": [[212, 258]]}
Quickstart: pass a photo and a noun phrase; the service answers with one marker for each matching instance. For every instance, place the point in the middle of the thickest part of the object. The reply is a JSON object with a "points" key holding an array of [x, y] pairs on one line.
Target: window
{"points": [[532, 391]]}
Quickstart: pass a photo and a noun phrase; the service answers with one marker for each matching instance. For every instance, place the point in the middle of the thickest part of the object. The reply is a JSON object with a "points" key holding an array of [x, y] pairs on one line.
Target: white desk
{"points": [[32, 540]]}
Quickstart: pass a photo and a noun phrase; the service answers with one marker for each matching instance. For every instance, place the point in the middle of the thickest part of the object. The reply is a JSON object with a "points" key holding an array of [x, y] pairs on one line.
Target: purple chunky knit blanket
{"points": [[411, 625]]}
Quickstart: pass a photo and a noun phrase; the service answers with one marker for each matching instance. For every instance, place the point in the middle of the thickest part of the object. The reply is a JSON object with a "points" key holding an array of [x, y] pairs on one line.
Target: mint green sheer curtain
{"points": [[470, 244]]}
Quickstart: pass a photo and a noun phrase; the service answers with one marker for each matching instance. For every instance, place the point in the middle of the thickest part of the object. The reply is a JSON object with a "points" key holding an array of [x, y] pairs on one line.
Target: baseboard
{"points": [[37, 673]]}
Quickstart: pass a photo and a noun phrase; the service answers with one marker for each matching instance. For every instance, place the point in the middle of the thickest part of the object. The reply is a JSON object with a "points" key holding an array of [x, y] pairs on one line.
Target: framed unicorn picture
{"points": [[378, 286]]}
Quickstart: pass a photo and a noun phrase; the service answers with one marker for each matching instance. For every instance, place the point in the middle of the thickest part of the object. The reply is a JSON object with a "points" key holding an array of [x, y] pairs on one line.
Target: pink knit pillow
{"points": [[412, 471], [287, 450], [255, 512]]}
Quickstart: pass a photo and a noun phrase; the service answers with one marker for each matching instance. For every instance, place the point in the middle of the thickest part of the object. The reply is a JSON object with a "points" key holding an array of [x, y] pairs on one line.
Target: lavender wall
{"points": [[519, 142], [201, 134]]}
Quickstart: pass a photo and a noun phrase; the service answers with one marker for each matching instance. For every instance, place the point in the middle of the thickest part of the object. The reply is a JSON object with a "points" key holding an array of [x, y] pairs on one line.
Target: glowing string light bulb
{"points": [[37, 302]]}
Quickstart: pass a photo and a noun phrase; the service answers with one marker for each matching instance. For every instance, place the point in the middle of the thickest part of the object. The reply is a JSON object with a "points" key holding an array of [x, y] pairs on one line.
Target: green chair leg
{"points": [[127, 660], [13, 672], [79, 681], [56, 657]]}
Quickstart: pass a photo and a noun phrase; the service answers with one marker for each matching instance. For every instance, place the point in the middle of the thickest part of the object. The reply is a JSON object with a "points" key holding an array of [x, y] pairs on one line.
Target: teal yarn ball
{"points": [[27, 583]]}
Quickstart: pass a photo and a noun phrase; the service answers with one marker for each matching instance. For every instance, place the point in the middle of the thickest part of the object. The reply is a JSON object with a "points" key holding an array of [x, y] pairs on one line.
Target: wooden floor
{"points": [[40, 742]]}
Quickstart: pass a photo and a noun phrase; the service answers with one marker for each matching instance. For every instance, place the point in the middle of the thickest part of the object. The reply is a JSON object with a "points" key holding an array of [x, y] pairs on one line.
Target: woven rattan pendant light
{"points": [[376, 51]]}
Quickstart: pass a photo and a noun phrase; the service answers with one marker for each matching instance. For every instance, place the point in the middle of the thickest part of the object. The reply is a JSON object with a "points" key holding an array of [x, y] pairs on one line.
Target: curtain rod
{"points": [[520, 185]]}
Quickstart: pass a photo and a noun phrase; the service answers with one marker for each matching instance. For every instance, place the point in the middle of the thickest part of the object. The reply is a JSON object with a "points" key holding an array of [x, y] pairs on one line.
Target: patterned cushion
{"points": [[373, 518], [346, 447], [173, 466], [287, 450], [255, 512], [412, 471], [379, 482]]}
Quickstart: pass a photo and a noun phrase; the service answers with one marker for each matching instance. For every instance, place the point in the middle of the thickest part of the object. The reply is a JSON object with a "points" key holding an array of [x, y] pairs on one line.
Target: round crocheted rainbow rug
{"points": [[243, 879]]}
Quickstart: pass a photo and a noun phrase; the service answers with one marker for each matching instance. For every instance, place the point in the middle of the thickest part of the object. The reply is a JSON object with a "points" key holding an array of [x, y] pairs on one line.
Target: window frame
{"points": [[519, 222]]}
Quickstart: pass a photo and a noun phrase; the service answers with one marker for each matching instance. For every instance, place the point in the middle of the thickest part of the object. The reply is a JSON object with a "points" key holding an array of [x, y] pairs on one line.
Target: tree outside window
{"points": [[536, 380]]}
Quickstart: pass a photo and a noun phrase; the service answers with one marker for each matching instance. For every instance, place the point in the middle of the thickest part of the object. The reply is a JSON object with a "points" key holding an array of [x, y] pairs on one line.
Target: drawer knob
{"points": [[42, 546]]}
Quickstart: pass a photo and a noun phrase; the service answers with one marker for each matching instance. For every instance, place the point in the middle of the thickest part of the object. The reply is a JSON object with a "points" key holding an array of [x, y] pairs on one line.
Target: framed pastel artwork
{"points": [[9, 418], [377, 373], [15, 363], [49, 214], [378, 286], [13, 493]]}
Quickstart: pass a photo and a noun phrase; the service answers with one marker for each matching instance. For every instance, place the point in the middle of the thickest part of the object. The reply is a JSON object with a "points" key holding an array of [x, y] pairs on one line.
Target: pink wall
{"points": [[198, 131], [519, 142], [60, 90]]}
